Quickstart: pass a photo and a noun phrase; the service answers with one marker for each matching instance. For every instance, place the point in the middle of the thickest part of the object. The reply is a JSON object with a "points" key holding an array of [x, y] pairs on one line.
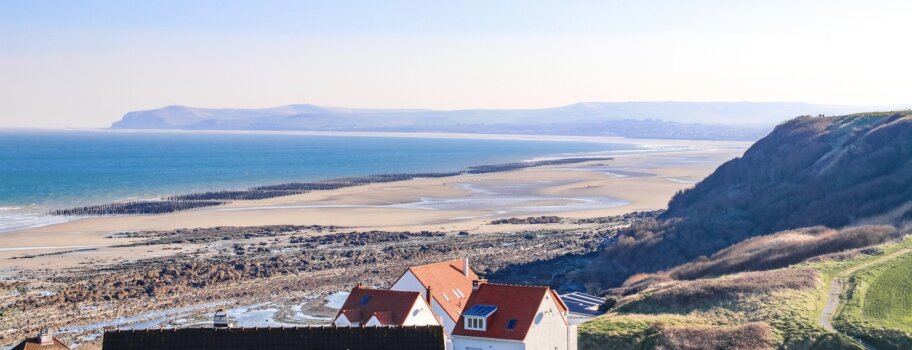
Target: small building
{"points": [[501, 316], [368, 307], [275, 338], [446, 285], [583, 304], [583, 307], [44, 341]]}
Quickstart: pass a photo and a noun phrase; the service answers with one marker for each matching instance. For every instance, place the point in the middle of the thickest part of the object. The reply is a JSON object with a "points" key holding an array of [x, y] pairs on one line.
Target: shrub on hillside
{"points": [[750, 336], [682, 296], [784, 249]]}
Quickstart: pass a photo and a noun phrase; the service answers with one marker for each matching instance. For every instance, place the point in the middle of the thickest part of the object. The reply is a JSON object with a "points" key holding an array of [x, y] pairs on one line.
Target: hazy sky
{"points": [[85, 63]]}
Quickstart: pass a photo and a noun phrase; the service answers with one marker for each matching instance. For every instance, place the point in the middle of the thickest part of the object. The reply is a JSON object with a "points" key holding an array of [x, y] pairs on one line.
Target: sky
{"points": [[86, 63]]}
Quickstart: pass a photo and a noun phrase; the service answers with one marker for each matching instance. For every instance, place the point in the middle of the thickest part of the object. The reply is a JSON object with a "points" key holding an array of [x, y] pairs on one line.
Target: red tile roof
{"points": [[560, 302], [392, 306], [444, 277], [35, 344], [514, 302], [386, 318]]}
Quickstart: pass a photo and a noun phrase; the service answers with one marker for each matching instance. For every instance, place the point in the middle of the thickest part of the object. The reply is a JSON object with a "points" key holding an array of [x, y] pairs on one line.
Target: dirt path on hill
{"points": [[837, 286]]}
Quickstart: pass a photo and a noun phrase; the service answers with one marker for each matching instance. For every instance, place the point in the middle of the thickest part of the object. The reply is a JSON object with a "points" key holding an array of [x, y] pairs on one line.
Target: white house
{"points": [[507, 317], [377, 307], [446, 285]]}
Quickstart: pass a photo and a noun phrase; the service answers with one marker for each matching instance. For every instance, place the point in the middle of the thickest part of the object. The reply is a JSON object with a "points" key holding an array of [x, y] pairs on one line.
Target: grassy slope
{"points": [[879, 305], [792, 313]]}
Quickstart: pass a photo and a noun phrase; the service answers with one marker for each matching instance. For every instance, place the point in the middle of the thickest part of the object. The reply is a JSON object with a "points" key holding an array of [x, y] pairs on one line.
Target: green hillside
{"points": [[777, 249], [829, 171], [775, 309]]}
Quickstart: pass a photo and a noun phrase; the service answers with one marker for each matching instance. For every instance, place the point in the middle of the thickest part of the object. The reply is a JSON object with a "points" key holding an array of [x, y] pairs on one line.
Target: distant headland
{"points": [[653, 120]]}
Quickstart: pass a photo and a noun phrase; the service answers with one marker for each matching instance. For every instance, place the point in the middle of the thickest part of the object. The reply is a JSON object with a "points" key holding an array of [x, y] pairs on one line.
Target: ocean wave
{"points": [[20, 219]]}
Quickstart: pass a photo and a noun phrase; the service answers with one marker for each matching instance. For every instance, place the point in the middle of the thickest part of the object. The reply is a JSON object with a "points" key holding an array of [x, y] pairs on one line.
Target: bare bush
{"points": [[783, 249], [750, 336], [694, 294]]}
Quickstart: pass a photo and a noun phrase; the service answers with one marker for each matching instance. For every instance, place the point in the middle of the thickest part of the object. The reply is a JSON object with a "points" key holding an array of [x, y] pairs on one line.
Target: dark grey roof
{"points": [[582, 303], [311, 338]]}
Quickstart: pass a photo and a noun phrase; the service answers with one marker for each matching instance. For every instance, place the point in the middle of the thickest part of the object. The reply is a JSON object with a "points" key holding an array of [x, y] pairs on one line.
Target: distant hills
{"points": [[830, 171], [672, 120]]}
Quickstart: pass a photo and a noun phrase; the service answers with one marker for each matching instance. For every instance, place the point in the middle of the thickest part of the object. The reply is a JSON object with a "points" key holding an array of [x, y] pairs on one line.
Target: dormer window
{"points": [[476, 317]]}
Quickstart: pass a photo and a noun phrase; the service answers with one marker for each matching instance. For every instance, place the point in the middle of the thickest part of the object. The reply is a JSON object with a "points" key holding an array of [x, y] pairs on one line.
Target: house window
{"points": [[475, 323], [511, 324]]}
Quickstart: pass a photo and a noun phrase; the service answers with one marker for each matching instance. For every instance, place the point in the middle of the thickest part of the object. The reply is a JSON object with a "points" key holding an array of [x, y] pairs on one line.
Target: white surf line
{"points": [[48, 247], [680, 181], [302, 207]]}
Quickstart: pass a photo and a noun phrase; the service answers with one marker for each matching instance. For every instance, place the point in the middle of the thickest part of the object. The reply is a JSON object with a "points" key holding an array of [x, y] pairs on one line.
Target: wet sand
{"points": [[629, 182]]}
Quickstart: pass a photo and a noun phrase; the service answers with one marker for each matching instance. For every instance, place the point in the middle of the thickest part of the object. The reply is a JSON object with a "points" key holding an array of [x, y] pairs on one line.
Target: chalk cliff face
{"points": [[831, 171], [680, 120]]}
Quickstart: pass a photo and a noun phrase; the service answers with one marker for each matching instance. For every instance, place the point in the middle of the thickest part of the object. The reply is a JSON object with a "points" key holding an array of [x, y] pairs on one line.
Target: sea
{"points": [[47, 169]]}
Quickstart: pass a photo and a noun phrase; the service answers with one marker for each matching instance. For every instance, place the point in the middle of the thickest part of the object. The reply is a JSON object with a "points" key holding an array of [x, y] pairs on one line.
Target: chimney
{"points": [[465, 266], [477, 283], [359, 285], [220, 319], [46, 336], [428, 297]]}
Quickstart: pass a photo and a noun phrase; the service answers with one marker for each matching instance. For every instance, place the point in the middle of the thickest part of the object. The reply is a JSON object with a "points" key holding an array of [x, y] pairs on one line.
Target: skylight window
{"points": [[511, 324], [365, 299]]}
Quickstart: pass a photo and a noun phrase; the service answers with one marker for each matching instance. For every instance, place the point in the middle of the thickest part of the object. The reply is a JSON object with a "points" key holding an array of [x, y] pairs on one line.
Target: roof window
{"points": [[511, 324]]}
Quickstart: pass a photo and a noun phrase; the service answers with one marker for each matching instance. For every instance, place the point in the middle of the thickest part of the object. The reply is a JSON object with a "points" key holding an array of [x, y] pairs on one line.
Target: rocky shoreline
{"points": [[237, 265]]}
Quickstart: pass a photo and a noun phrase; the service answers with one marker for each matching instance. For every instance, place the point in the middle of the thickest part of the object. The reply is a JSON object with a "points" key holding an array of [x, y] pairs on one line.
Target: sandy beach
{"points": [[629, 182]]}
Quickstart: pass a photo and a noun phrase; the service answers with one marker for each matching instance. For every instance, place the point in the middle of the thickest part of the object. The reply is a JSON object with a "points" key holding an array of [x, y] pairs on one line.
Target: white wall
{"points": [[408, 282], [447, 322], [420, 315], [342, 321], [572, 335], [373, 322], [550, 333], [470, 343]]}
